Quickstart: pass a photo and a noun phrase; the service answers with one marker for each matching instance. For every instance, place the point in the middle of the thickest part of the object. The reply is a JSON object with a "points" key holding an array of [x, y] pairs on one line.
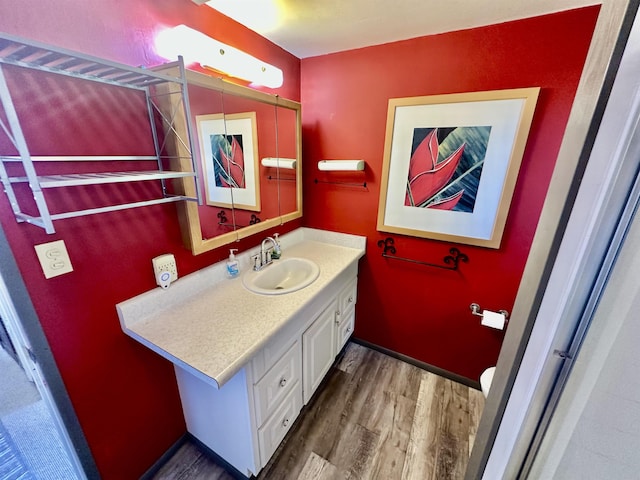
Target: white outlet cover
{"points": [[54, 258], [165, 263]]}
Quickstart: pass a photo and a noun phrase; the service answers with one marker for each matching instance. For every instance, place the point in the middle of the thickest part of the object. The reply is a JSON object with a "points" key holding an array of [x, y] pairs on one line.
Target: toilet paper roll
{"points": [[493, 319]]}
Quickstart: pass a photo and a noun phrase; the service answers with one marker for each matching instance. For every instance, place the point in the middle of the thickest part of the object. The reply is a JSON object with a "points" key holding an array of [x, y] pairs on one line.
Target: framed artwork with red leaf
{"points": [[451, 163], [229, 156]]}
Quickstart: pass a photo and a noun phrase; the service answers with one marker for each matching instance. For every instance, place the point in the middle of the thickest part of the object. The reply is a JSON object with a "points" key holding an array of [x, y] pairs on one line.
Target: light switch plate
{"points": [[54, 258]]}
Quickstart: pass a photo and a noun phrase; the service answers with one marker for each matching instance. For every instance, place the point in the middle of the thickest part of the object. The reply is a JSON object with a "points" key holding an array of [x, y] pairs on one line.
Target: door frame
{"points": [[27, 335], [7, 344]]}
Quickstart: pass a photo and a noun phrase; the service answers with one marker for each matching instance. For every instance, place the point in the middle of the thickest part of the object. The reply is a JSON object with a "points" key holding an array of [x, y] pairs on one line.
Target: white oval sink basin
{"points": [[282, 276]]}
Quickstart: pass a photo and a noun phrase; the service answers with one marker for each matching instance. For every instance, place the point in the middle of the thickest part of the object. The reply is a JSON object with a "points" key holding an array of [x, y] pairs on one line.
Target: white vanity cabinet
{"points": [[245, 363], [245, 420]]}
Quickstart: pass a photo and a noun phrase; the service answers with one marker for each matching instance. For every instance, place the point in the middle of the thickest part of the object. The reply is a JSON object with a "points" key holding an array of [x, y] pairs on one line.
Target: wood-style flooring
{"points": [[374, 417]]}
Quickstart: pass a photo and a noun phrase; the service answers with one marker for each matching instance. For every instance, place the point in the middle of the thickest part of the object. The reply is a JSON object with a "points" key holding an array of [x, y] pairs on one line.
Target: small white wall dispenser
{"points": [[341, 165], [287, 163]]}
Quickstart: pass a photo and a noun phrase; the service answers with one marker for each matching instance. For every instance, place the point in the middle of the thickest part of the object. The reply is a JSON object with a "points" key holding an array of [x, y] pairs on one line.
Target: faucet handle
{"points": [[257, 261]]}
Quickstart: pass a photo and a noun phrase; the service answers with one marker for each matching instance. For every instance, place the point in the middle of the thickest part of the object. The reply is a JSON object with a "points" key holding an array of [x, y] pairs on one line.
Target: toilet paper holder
{"points": [[476, 310]]}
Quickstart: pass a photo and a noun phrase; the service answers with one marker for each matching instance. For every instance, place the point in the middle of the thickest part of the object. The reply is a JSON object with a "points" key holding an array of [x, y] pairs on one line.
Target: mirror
{"points": [[233, 128]]}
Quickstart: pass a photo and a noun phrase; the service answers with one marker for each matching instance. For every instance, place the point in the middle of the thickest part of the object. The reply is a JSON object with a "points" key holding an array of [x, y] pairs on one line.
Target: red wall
{"points": [[124, 395], [416, 310]]}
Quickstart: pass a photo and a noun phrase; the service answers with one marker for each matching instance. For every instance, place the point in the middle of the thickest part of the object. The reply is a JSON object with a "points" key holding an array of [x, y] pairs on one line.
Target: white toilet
{"points": [[485, 380]]}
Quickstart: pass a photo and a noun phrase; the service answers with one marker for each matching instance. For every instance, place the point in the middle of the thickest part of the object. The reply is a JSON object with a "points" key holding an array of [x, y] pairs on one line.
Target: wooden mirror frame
{"points": [[181, 160]]}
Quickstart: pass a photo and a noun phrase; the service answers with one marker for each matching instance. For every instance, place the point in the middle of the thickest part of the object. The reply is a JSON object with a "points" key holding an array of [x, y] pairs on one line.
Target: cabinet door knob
{"points": [[285, 422], [283, 382], [350, 299]]}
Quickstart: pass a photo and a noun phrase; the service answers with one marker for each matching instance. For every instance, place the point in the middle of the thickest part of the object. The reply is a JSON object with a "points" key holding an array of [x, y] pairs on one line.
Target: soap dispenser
{"points": [[232, 264], [277, 251]]}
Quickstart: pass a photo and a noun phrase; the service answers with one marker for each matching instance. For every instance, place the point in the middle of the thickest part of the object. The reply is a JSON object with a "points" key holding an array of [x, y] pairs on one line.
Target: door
{"points": [[318, 354], [34, 422], [30, 407], [593, 432]]}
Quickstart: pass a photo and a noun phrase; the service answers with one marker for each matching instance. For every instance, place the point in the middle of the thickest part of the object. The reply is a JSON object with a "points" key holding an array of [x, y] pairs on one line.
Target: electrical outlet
{"points": [[165, 264], [54, 258]]}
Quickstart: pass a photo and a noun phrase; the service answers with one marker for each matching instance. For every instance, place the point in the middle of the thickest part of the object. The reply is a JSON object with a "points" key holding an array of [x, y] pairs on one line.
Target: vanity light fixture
{"points": [[196, 47], [341, 165], [288, 163]]}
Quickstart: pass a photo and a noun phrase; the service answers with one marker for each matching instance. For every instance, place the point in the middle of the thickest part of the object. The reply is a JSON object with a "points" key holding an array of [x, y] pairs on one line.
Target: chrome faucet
{"points": [[264, 258], [265, 254]]}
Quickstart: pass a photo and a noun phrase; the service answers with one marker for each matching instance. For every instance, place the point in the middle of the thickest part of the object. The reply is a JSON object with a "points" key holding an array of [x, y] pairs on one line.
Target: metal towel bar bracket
{"points": [[451, 261], [224, 222], [222, 217], [476, 310]]}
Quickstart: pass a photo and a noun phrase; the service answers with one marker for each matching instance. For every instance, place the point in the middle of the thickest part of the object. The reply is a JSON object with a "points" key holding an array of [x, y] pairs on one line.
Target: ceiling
{"points": [[308, 28]]}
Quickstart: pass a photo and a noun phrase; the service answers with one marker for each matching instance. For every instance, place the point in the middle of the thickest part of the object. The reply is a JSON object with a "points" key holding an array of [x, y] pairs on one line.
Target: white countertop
{"points": [[214, 325]]}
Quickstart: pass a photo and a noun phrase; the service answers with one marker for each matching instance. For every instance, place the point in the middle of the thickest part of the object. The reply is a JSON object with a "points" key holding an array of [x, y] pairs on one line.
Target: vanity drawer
{"points": [[273, 351], [348, 296], [284, 376], [273, 431], [345, 329]]}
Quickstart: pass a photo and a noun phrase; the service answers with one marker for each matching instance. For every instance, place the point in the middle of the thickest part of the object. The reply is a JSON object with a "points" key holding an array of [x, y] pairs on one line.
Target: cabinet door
{"points": [[318, 350]]}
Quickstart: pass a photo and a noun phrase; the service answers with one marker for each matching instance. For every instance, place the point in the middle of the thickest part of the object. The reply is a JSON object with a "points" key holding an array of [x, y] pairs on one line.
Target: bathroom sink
{"points": [[282, 276]]}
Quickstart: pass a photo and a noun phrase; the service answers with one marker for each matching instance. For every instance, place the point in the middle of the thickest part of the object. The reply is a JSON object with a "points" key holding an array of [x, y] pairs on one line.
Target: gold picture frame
{"points": [[451, 163], [229, 155]]}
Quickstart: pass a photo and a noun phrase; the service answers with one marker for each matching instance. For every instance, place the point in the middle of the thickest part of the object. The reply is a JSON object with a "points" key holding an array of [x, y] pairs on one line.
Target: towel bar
{"points": [[451, 261]]}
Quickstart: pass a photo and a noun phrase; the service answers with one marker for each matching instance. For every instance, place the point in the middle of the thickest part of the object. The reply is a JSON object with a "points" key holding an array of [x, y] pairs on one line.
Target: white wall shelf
{"points": [[37, 56]]}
